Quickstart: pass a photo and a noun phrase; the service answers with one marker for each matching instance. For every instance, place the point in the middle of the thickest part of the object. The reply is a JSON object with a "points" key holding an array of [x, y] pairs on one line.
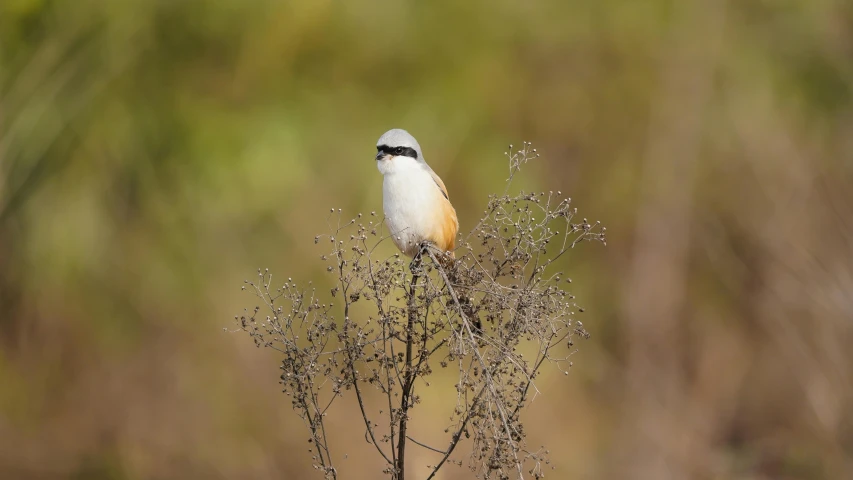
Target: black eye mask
{"points": [[396, 151]]}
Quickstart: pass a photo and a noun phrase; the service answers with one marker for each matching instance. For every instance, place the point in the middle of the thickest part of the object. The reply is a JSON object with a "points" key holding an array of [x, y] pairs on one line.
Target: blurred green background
{"points": [[153, 154]]}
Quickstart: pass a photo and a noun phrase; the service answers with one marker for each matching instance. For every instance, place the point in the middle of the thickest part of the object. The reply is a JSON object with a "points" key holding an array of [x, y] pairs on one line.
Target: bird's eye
{"points": [[398, 150]]}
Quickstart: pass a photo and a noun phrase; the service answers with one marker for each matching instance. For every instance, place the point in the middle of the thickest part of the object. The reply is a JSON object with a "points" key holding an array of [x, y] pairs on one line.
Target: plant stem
{"points": [[409, 375]]}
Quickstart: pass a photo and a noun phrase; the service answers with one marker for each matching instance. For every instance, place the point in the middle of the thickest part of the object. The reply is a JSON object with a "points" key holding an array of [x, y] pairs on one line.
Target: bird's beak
{"points": [[380, 155]]}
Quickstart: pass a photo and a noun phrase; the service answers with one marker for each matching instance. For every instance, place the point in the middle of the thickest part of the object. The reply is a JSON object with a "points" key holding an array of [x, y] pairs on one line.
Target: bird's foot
{"points": [[416, 266]]}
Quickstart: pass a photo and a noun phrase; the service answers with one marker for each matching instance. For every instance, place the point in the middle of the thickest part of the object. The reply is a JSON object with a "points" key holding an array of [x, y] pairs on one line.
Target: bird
{"points": [[417, 207]]}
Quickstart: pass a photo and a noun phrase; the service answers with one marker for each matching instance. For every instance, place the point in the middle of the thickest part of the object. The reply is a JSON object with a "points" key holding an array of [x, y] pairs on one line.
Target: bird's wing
{"points": [[438, 182]]}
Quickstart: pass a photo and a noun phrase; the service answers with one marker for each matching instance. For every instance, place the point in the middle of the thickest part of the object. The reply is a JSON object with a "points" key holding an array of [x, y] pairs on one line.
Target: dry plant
{"points": [[494, 315]]}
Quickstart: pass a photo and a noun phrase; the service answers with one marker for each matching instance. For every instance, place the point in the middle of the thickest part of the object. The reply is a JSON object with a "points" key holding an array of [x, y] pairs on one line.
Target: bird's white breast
{"points": [[409, 199]]}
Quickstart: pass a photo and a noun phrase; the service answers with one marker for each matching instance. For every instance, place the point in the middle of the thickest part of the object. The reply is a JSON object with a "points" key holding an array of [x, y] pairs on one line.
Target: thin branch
{"points": [[425, 446], [409, 382]]}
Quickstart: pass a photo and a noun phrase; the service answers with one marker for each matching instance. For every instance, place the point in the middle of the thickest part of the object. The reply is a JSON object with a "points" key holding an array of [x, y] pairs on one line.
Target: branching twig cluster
{"points": [[493, 315]]}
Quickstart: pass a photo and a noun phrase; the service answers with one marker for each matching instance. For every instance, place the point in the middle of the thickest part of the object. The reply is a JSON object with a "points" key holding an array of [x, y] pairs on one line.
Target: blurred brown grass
{"points": [[153, 153]]}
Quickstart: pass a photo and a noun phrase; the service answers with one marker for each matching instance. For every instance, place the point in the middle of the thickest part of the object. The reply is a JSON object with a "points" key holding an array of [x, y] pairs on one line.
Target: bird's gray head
{"points": [[398, 143]]}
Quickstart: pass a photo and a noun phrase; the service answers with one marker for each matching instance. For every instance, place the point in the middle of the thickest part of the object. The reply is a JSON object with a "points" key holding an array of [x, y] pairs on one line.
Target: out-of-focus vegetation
{"points": [[153, 153]]}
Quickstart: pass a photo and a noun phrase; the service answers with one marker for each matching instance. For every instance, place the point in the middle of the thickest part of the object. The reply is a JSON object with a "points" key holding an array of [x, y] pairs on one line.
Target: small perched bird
{"points": [[417, 207]]}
